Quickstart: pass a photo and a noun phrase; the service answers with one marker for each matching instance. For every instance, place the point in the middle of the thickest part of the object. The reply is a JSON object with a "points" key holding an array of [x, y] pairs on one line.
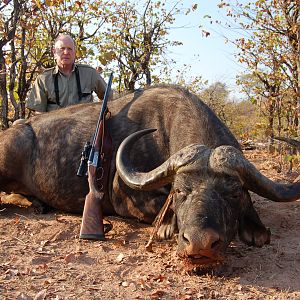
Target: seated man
{"points": [[67, 83]]}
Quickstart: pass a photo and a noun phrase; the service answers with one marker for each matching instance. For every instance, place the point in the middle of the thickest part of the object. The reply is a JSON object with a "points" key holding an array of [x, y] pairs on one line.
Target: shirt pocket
{"points": [[86, 95], [86, 92], [51, 97]]}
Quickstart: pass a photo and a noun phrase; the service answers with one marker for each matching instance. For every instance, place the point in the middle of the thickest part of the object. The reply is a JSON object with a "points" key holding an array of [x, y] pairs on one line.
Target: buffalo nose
{"points": [[196, 241]]}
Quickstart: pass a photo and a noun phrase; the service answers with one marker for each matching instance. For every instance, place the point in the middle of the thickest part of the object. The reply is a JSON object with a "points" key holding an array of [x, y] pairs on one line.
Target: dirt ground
{"points": [[41, 257]]}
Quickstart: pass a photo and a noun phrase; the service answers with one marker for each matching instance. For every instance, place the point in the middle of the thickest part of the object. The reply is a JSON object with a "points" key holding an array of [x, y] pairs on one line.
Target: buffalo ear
{"points": [[251, 230]]}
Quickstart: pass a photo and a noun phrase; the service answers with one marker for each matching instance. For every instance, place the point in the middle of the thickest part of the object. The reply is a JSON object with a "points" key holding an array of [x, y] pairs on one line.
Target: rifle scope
{"points": [[82, 169]]}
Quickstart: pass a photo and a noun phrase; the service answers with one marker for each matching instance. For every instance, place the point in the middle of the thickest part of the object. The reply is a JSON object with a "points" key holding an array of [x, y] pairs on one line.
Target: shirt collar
{"points": [[56, 69]]}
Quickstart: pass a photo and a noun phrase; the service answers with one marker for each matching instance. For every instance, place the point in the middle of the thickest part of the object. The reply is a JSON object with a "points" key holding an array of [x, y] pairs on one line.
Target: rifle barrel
{"points": [[101, 116]]}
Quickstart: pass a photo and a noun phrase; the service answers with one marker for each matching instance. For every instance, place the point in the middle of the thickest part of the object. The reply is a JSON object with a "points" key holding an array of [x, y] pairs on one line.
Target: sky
{"points": [[210, 57]]}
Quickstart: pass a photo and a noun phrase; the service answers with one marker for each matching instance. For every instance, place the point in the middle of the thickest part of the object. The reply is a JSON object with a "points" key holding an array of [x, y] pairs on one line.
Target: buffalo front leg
{"points": [[251, 230]]}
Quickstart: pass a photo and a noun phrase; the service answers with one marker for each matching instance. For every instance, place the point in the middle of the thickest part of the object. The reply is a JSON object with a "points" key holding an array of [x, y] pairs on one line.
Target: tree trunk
{"points": [[148, 77], [12, 80], [270, 127], [3, 92]]}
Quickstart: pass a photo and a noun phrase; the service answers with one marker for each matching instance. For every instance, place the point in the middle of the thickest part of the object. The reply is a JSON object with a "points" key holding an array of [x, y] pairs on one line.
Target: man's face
{"points": [[64, 52]]}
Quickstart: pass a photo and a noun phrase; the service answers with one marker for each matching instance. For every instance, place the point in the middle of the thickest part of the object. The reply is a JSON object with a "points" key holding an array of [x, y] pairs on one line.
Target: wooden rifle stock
{"points": [[92, 227]]}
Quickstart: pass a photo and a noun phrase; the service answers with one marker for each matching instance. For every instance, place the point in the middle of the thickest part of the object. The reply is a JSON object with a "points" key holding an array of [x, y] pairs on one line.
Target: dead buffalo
{"points": [[192, 154]]}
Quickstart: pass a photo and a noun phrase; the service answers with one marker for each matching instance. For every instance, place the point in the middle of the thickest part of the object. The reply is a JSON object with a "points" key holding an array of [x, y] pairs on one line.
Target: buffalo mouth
{"points": [[203, 260]]}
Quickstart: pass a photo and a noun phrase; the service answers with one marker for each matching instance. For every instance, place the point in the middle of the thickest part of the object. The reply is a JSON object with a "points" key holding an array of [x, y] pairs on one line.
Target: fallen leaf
{"points": [[47, 282], [16, 199], [70, 257], [61, 219], [142, 283], [132, 287], [11, 273], [23, 296], [17, 220], [40, 260], [43, 267], [149, 248], [120, 257], [44, 243], [125, 284], [186, 297], [158, 293], [41, 295], [160, 278]]}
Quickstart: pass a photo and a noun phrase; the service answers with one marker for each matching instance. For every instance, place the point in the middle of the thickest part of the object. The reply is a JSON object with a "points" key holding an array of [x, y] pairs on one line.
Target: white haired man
{"points": [[67, 83]]}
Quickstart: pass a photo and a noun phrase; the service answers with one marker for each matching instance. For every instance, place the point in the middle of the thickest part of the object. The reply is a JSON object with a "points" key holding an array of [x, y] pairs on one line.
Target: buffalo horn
{"points": [[224, 159], [290, 141], [229, 160], [188, 159]]}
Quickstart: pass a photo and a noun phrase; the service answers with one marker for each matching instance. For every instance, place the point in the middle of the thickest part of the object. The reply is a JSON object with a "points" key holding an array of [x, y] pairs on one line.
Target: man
{"points": [[67, 83]]}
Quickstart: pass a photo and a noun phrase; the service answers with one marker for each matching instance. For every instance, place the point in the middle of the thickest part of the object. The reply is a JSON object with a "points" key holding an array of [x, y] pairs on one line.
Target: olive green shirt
{"points": [[42, 97]]}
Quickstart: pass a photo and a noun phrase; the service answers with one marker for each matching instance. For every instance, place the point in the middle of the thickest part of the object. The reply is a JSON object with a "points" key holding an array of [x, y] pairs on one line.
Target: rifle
{"points": [[97, 166]]}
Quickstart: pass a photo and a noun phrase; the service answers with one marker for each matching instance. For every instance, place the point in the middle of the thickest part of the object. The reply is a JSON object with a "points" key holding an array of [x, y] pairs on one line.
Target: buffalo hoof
{"points": [[39, 206]]}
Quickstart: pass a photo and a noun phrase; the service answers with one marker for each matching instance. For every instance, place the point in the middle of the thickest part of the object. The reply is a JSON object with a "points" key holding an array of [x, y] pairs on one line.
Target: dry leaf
{"points": [[132, 287], [16, 199], [43, 267], [160, 278], [47, 282], [120, 257], [17, 220], [40, 260], [11, 273], [158, 293], [70, 257], [61, 219], [186, 297], [142, 283], [148, 247], [41, 295], [23, 296], [44, 243], [125, 284]]}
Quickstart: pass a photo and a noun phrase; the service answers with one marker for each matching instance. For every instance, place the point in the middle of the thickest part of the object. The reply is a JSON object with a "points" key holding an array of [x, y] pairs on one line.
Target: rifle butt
{"points": [[92, 227]]}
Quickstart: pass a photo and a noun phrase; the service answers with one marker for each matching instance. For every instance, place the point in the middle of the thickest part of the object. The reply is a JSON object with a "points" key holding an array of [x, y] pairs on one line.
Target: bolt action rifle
{"points": [[97, 167]]}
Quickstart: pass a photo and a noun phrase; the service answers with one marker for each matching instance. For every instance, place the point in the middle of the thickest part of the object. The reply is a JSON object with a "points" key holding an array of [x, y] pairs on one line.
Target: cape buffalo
{"points": [[192, 154]]}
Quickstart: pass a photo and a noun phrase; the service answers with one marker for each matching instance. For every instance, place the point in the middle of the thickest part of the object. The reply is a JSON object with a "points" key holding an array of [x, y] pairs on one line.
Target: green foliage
{"points": [[216, 96], [269, 48], [182, 77], [129, 37], [293, 158], [136, 40], [242, 117], [247, 122], [27, 32]]}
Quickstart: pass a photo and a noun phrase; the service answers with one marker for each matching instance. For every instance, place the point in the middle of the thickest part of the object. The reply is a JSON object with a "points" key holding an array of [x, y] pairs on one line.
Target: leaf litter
{"points": [[43, 258]]}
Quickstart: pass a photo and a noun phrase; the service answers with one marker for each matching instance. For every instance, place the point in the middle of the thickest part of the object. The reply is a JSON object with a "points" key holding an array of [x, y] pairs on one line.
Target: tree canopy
{"points": [[270, 48], [127, 36]]}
